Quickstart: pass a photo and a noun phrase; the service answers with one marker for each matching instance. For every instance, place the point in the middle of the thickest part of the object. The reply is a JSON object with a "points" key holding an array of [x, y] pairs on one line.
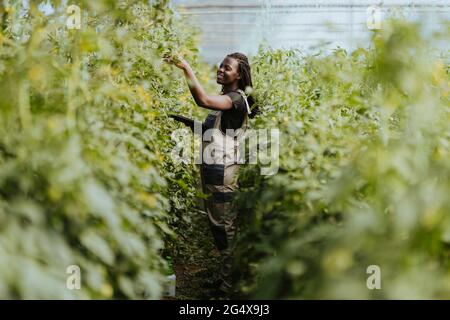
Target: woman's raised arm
{"points": [[217, 102]]}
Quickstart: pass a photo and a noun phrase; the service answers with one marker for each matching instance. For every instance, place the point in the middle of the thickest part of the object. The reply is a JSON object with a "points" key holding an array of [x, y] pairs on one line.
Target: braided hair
{"points": [[246, 78]]}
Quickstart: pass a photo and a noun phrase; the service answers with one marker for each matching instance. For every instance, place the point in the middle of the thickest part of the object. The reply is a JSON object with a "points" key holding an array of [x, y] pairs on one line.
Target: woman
{"points": [[228, 121]]}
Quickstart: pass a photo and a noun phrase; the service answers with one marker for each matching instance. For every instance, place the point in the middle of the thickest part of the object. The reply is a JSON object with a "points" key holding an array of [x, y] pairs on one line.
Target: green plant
{"points": [[364, 148], [85, 175]]}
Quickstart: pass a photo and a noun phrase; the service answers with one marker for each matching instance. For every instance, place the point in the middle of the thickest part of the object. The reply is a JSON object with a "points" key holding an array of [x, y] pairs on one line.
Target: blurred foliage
{"points": [[85, 173], [364, 173]]}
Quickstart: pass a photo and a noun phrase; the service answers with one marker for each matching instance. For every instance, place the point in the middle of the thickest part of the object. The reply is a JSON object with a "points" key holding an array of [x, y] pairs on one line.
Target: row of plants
{"points": [[86, 176], [364, 173]]}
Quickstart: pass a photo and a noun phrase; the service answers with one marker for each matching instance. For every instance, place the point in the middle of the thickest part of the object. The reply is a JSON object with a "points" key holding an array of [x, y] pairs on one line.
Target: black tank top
{"points": [[233, 118]]}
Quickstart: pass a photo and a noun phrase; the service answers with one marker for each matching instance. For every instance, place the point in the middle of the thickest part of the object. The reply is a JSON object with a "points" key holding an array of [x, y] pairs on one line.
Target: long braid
{"points": [[246, 78]]}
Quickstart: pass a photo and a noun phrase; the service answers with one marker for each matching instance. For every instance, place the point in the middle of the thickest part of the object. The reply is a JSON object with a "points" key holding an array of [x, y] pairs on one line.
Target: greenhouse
{"points": [[308, 25], [214, 150]]}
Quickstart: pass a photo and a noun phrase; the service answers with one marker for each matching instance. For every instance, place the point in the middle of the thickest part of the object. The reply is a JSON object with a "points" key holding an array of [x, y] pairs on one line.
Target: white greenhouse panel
{"points": [[229, 26]]}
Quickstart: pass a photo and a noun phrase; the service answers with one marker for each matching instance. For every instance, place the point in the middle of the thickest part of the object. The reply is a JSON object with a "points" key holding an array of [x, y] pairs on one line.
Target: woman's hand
{"points": [[177, 61]]}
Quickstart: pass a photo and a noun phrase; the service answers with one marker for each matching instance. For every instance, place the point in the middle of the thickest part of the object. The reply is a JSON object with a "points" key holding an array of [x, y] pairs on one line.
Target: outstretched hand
{"points": [[177, 61]]}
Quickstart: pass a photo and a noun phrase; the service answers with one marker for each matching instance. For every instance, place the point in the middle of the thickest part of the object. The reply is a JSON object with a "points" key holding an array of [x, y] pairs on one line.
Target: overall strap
{"points": [[218, 114], [245, 99]]}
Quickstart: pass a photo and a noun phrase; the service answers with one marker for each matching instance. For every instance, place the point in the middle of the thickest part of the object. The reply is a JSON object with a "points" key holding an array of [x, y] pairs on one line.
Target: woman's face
{"points": [[228, 71]]}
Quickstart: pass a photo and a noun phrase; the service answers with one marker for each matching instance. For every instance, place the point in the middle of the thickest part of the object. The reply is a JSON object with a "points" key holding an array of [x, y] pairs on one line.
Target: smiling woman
{"points": [[227, 123]]}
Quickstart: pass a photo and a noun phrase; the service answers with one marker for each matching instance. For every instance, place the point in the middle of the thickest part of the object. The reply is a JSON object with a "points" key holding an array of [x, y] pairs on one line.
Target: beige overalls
{"points": [[219, 180]]}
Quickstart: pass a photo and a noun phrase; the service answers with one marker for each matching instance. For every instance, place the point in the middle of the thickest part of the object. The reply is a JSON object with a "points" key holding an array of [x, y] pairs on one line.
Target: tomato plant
{"points": [[85, 175], [364, 149]]}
